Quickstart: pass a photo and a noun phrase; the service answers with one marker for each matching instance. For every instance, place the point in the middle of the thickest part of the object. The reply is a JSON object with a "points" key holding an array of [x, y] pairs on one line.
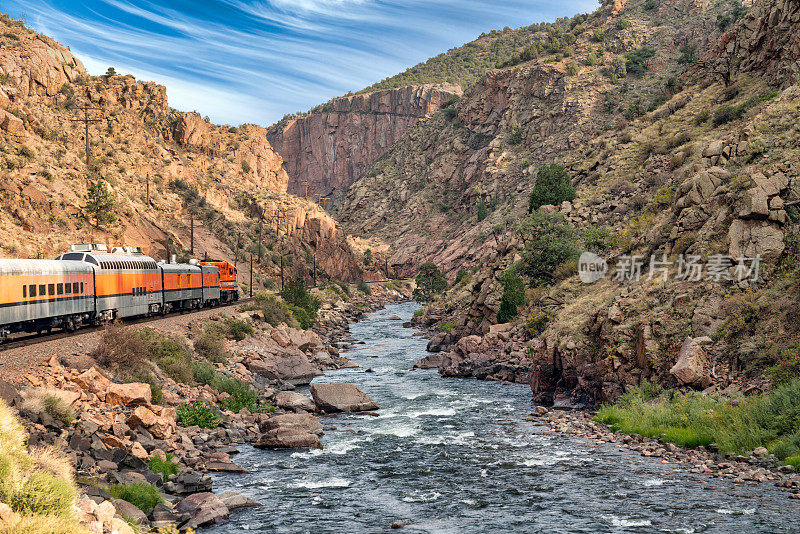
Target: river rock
{"points": [[304, 422], [341, 397], [291, 400], [287, 438], [130, 512], [236, 501], [431, 361], [203, 509], [290, 365]]}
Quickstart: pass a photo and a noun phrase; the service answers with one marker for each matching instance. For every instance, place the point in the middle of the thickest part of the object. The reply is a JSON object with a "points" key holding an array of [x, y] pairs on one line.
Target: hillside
{"points": [[708, 177], [160, 167]]}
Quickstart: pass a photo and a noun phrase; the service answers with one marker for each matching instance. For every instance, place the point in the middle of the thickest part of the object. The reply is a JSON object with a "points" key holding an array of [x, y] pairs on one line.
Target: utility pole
{"points": [[191, 234], [147, 189], [86, 120], [236, 255]]}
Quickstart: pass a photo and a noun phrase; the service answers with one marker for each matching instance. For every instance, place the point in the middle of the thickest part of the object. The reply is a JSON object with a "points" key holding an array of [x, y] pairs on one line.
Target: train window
{"points": [[51, 289], [24, 291], [90, 259], [41, 290], [32, 290], [59, 289], [67, 287], [74, 287], [81, 287]]}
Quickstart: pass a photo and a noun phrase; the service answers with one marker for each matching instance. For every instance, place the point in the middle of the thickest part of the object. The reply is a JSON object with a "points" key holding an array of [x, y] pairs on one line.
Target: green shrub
{"points": [[302, 316], [460, 275], [552, 186], [513, 296], [58, 409], [794, 461], [165, 468], [143, 496], [536, 323], [430, 282], [549, 242], [211, 346], [447, 327], [482, 211], [198, 414], [204, 373], [515, 133], [237, 329], [242, 394], [650, 5], [636, 61], [275, 310], [687, 56], [43, 494], [364, 287], [295, 293], [727, 113], [788, 366], [171, 354]]}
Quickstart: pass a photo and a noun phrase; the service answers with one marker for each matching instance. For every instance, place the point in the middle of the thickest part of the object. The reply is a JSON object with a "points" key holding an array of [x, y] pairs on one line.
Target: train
{"points": [[90, 285]]}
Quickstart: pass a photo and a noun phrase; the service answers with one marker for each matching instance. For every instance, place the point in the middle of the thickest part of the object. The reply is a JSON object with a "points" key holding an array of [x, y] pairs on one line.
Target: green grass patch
{"points": [[162, 467], [143, 496], [691, 419]]}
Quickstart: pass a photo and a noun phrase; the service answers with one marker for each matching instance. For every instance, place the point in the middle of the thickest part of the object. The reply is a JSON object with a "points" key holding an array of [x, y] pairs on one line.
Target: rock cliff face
{"points": [[709, 170], [332, 147], [225, 178]]}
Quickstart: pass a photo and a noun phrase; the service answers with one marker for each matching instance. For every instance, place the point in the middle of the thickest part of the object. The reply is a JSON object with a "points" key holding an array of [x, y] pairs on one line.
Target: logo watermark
{"points": [[686, 268], [591, 268]]}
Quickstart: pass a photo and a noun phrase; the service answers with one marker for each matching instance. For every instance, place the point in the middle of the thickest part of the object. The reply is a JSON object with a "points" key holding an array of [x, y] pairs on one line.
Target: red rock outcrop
{"points": [[333, 147]]}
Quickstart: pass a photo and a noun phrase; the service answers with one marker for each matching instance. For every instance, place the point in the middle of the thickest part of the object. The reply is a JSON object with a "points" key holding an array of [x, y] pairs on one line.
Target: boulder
{"points": [[133, 394], [290, 365], [690, 369], [287, 438], [291, 400], [341, 397], [236, 501], [9, 394], [203, 509], [161, 427], [10, 122], [295, 421], [188, 482], [92, 380], [431, 361], [130, 512]]}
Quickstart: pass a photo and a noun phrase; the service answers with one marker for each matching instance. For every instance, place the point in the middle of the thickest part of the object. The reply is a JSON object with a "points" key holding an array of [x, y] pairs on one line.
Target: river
{"points": [[456, 456]]}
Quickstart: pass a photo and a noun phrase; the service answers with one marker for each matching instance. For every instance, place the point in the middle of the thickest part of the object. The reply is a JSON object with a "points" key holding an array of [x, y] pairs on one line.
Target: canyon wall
{"points": [[333, 146]]}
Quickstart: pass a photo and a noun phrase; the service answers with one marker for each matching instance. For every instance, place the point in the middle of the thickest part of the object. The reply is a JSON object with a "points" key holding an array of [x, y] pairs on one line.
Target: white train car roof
{"points": [[179, 268], [23, 266], [102, 260]]}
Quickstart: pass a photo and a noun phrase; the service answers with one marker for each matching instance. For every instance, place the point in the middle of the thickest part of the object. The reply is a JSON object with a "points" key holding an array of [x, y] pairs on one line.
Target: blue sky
{"points": [[256, 60]]}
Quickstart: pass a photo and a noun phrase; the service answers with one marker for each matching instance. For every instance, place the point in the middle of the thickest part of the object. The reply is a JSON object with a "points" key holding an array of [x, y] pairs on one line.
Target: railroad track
{"points": [[34, 339]]}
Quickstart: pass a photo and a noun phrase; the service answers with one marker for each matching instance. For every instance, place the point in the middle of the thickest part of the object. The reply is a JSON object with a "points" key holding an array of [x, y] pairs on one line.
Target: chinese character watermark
{"points": [[686, 268]]}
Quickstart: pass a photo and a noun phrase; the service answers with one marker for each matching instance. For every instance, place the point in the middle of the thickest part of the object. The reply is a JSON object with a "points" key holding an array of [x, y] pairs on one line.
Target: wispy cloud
{"points": [[255, 60]]}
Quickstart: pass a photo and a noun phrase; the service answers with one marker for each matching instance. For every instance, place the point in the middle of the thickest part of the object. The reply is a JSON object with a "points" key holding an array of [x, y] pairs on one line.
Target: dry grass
{"points": [[37, 485]]}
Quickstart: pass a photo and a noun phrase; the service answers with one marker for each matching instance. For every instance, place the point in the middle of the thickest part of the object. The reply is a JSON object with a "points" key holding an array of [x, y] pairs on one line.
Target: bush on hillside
{"points": [[143, 496], [198, 414], [430, 282], [549, 242], [636, 61], [552, 186], [275, 310], [295, 293], [513, 296]]}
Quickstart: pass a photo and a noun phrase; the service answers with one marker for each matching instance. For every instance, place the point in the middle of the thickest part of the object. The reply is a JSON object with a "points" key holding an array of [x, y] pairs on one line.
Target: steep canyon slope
{"points": [[160, 166], [700, 164]]}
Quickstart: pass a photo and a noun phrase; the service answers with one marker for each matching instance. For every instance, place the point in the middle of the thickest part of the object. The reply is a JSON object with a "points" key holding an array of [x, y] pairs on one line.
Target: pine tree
{"points": [[100, 206]]}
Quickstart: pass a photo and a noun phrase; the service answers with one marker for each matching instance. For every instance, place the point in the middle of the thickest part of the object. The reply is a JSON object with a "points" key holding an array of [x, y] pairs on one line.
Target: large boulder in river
{"points": [[341, 397], [690, 369], [287, 438], [290, 364], [203, 509], [291, 400], [296, 421]]}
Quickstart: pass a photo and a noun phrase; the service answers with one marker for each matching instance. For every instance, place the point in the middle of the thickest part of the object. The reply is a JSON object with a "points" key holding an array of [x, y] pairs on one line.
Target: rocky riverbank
{"points": [[759, 467], [119, 434]]}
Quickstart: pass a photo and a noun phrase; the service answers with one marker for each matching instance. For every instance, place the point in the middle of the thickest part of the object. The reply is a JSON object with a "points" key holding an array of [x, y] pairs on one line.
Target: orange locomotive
{"points": [[228, 285], [89, 285]]}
